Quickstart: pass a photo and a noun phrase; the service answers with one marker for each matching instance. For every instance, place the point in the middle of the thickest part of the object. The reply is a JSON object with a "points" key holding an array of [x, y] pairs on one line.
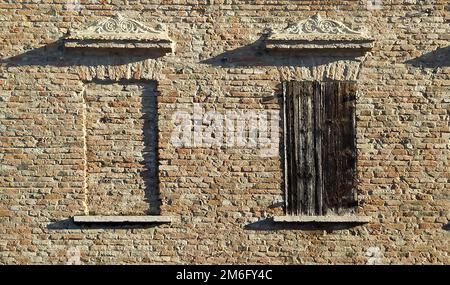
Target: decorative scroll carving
{"points": [[316, 24], [318, 33], [120, 32], [119, 25]]}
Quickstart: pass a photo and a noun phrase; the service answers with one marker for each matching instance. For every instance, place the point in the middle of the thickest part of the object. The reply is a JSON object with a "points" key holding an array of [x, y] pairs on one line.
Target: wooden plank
{"points": [[294, 177], [291, 151], [325, 137], [335, 191], [288, 147], [302, 93], [298, 145], [326, 126], [348, 145], [329, 147], [339, 146], [318, 117], [309, 161], [286, 144]]}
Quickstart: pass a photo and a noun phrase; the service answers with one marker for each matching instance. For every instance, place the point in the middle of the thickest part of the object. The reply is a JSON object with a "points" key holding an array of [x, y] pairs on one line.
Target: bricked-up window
{"points": [[121, 148], [320, 147]]}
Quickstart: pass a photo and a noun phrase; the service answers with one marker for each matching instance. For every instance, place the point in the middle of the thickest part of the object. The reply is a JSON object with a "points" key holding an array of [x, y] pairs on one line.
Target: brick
{"points": [[128, 165]]}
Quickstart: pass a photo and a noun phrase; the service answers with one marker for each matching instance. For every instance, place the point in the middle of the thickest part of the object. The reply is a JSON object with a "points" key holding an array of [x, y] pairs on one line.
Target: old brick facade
{"points": [[72, 123]]}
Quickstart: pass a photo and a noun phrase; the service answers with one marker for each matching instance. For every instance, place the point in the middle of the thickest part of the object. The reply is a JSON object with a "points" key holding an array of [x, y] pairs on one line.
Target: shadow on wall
{"points": [[55, 54], [270, 225], [68, 224], [150, 175], [437, 58], [255, 54], [446, 227]]}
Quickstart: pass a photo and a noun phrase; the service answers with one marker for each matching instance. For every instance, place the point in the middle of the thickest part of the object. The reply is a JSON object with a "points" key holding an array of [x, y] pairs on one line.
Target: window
{"points": [[320, 149], [121, 148]]}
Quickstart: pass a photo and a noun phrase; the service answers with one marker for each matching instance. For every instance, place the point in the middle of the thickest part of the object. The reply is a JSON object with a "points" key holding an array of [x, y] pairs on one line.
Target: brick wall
{"points": [[221, 197]]}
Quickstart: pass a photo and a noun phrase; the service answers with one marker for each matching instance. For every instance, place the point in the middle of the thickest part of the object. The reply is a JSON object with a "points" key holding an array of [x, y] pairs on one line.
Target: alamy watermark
{"points": [[374, 4], [373, 255], [203, 128], [73, 255]]}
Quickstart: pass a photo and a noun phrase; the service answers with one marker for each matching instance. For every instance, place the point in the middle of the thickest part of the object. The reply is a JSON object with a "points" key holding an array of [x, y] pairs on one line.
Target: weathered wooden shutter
{"points": [[320, 147]]}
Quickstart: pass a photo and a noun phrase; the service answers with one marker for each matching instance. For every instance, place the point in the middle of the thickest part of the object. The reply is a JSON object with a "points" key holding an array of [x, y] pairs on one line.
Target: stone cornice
{"points": [[318, 33], [120, 32]]}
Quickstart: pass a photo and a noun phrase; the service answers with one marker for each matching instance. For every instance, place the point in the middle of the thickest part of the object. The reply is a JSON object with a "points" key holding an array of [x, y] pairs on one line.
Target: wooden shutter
{"points": [[319, 147]]}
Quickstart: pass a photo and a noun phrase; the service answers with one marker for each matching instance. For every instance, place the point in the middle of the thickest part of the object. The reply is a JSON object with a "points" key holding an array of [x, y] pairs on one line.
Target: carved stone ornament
{"points": [[318, 33], [120, 32]]}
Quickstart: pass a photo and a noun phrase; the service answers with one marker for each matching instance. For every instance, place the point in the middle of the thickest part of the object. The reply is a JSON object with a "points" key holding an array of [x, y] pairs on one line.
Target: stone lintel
{"points": [[167, 47], [307, 45]]}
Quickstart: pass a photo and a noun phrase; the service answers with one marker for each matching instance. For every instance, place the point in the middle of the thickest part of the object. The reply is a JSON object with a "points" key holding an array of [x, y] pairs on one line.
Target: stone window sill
{"points": [[122, 219], [323, 219]]}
